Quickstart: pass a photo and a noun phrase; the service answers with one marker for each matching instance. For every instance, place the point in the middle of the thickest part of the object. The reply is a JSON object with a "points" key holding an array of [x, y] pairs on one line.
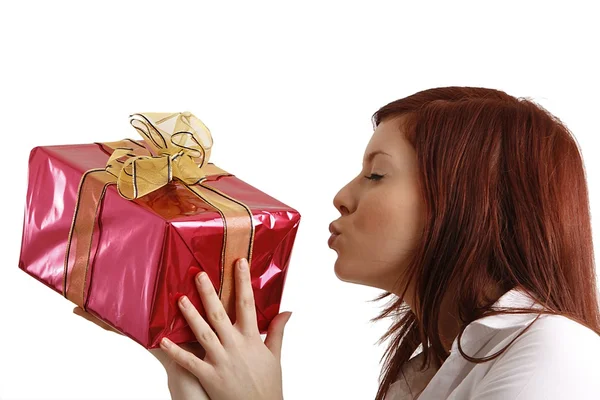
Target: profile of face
{"points": [[382, 212]]}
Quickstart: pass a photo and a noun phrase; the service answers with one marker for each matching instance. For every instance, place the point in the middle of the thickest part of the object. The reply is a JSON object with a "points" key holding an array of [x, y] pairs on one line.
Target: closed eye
{"points": [[374, 177]]}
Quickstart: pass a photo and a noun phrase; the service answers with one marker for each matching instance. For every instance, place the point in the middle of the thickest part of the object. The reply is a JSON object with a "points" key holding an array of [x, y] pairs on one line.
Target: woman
{"points": [[472, 212]]}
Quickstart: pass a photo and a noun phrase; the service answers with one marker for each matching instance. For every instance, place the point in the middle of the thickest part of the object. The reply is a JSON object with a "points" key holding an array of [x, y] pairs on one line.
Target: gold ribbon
{"points": [[179, 147]]}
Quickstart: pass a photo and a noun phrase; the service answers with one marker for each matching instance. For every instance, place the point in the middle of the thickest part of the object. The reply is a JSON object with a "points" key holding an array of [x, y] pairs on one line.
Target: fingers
{"points": [[79, 311], [245, 307], [195, 348], [215, 312], [203, 332], [274, 338], [201, 369]]}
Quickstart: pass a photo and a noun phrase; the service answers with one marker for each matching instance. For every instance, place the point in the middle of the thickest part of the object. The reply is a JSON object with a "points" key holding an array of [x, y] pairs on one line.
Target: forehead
{"points": [[388, 137]]}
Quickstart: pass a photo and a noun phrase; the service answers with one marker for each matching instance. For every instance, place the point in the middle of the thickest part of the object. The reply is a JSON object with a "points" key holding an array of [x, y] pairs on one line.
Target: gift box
{"points": [[122, 228]]}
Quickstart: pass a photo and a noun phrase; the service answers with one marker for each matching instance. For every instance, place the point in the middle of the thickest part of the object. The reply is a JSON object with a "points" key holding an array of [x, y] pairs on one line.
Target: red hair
{"points": [[506, 202]]}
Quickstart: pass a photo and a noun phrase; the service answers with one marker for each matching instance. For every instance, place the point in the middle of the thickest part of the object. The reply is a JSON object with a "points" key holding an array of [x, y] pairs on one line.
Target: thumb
{"points": [[274, 337]]}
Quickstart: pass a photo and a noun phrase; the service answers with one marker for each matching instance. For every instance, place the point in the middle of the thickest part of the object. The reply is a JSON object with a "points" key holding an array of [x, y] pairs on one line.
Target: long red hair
{"points": [[505, 194]]}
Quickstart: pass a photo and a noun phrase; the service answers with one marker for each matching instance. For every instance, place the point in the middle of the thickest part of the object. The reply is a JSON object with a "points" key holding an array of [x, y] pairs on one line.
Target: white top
{"points": [[556, 358]]}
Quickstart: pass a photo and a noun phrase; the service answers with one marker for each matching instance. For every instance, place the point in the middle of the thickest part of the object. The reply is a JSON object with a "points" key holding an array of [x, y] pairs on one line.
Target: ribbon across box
{"points": [[122, 228]]}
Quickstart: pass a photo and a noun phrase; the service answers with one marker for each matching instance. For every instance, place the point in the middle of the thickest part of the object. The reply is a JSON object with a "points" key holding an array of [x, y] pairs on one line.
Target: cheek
{"points": [[390, 224], [404, 222], [395, 209]]}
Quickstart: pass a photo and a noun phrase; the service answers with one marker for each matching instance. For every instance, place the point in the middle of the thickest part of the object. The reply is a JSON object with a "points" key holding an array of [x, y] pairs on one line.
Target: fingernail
{"points": [[242, 264], [165, 343], [183, 301], [202, 277]]}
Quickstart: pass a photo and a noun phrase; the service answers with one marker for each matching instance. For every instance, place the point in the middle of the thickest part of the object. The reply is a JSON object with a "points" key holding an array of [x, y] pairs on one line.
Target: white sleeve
{"points": [[555, 359]]}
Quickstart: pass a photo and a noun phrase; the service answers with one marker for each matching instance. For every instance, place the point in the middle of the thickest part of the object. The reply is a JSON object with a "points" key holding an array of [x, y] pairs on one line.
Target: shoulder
{"points": [[554, 359], [547, 327], [559, 336]]}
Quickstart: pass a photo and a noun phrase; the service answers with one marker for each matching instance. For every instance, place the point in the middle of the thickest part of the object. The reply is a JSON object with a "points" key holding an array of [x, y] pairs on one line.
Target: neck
{"points": [[449, 323]]}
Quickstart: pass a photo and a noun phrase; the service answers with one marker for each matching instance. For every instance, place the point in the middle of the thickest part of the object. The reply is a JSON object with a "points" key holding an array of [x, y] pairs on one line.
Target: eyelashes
{"points": [[374, 177]]}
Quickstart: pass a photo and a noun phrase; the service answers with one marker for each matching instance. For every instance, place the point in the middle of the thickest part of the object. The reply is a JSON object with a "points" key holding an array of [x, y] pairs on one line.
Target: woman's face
{"points": [[382, 212]]}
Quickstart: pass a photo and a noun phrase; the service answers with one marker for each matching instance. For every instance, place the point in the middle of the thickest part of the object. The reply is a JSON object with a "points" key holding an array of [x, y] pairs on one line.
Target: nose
{"points": [[343, 200]]}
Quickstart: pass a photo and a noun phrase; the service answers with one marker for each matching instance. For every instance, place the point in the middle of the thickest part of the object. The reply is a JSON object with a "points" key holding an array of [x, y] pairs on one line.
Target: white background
{"points": [[287, 90]]}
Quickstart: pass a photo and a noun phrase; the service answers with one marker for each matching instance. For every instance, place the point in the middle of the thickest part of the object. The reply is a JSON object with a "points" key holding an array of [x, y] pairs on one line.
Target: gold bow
{"points": [[180, 145]]}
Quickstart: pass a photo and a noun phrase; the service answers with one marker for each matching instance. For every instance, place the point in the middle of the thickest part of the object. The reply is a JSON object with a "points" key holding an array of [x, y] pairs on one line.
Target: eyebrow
{"points": [[372, 155]]}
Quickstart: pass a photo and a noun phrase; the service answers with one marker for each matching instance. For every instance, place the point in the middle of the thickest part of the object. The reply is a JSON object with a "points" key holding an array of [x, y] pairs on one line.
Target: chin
{"points": [[345, 274], [339, 270]]}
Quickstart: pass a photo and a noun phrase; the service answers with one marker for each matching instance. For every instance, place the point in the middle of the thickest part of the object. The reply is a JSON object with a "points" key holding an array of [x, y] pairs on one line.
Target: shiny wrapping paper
{"points": [[148, 250]]}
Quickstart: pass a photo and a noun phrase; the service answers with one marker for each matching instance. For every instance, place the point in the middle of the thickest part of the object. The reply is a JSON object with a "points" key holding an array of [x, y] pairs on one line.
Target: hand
{"points": [[183, 384], [238, 365]]}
